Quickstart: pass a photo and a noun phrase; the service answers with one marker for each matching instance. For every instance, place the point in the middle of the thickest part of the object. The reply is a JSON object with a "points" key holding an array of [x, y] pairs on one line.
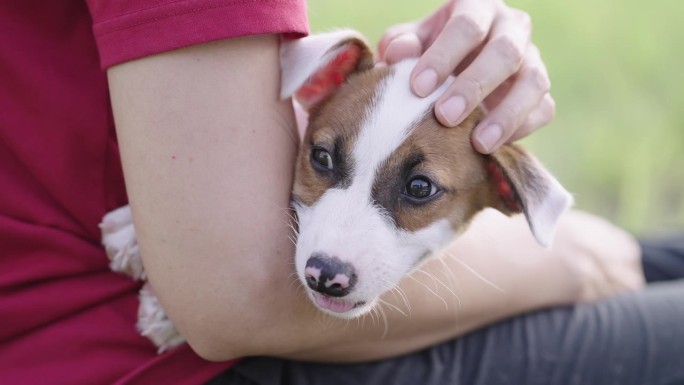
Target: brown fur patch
{"points": [[447, 158], [508, 180]]}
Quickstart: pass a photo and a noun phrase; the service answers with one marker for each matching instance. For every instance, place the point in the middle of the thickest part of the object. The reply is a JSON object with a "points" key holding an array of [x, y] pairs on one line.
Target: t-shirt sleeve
{"points": [[130, 29]]}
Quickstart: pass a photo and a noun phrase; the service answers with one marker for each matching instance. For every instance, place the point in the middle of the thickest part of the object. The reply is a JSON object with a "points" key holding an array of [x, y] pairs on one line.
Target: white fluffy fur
{"points": [[120, 242], [118, 238], [543, 216], [153, 322]]}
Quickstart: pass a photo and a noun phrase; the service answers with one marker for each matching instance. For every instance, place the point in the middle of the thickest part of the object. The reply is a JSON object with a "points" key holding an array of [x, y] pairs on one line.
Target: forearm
{"points": [[493, 271]]}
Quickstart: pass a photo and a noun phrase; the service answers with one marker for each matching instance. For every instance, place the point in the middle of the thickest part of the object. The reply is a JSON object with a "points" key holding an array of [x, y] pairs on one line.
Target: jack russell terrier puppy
{"points": [[379, 185]]}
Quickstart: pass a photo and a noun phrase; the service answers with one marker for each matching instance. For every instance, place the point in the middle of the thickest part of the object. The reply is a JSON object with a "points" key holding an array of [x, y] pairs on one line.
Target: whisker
{"points": [[475, 273], [437, 280], [381, 312], [294, 280], [396, 289], [430, 290], [452, 280], [383, 302], [294, 229], [291, 238], [397, 292], [372, 315]]}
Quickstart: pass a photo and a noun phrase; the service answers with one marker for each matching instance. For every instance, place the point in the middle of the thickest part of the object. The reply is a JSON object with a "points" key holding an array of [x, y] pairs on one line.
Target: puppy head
{"points": [[380, 184]]}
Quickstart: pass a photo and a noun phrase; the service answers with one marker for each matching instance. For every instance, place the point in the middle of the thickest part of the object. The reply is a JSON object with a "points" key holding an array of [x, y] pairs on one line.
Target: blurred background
{"points": [[616, 69]]}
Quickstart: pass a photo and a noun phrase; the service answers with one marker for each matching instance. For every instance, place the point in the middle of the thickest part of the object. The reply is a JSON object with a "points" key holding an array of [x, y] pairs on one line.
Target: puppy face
{"points": [[380, 184]]}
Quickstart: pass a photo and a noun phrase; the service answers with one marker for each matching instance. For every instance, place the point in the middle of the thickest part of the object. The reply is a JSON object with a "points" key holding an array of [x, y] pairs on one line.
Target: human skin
{"points": [[208, 151], [487, 44]]}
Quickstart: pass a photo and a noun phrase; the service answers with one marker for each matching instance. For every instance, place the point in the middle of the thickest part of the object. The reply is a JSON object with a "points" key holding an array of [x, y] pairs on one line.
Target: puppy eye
{"points": [[322, 158], [420, 187]]}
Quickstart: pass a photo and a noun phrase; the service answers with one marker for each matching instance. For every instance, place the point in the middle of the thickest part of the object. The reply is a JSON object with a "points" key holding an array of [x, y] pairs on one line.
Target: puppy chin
{"points": [[341, 308]]}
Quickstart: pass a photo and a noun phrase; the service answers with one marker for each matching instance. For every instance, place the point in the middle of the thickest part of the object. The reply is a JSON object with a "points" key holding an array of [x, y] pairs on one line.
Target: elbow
{"points": [[230, 343], [222, 328], [217, 344], [211, 350]]}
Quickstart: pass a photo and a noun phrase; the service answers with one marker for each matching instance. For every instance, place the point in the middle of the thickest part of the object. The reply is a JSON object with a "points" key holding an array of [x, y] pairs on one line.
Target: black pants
{"points": [[634, 338]]}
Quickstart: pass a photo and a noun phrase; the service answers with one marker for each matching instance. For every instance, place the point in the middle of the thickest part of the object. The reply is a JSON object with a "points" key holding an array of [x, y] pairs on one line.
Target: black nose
{"points": [[329, 275]]}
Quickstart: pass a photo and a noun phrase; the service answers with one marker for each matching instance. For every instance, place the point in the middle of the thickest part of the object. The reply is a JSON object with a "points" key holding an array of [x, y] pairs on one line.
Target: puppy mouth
{"points": [[335, 305]]}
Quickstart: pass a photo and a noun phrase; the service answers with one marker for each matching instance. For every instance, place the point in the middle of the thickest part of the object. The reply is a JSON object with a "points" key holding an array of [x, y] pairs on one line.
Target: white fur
{"points": [[153, 322], [389, 121], [543, 215], [121, 245]]}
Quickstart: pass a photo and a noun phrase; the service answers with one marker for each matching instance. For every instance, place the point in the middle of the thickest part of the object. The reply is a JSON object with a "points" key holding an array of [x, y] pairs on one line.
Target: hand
{"points": [[487, 44], [604, 259]]}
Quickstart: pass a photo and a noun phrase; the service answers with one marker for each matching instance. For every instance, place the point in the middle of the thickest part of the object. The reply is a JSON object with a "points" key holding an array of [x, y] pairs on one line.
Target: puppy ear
{"points": [[520, 184], [312, 68]]}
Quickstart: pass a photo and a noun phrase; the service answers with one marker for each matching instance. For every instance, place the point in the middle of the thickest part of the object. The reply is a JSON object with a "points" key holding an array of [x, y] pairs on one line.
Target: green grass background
{"points": [[616, 69]]}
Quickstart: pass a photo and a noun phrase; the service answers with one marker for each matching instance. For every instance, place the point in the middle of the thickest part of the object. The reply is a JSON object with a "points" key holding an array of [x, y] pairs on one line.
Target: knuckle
{"points": [[469, 25], [547, 109], [523, 18], [538, 79], [398, 29], [439, 60], [533, 53], [511, 116], [510, 52], [551, 108], [472, 86]]}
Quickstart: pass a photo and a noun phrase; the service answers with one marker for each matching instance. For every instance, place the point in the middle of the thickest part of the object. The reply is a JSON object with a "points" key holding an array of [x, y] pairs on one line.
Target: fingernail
{"points": [[489, 136], [425, 82], [452, 109]]}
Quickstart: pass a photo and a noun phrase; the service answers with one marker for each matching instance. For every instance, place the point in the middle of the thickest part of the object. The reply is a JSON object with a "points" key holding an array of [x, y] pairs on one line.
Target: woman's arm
{"points": [[208, 153]]}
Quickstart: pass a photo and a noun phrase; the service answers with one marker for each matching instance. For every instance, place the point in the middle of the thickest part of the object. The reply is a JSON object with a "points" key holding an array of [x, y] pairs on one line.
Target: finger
{"points": [[393, 33], [494, 99], [402, 47], [500, 58], [539, 117], [466, 28], [529, 90], [426, 30]]}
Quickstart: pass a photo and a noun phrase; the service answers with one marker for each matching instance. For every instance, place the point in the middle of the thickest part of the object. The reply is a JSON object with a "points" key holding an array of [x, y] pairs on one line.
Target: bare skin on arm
{"points": [[208, 151]]}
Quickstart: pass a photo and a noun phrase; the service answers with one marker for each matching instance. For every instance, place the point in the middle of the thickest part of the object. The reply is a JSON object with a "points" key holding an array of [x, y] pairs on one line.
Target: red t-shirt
{"points": [[64, 317]]}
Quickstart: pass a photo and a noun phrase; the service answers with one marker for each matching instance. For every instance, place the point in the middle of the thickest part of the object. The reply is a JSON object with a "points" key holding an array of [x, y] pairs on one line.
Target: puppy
{"points": [[379, 186]]}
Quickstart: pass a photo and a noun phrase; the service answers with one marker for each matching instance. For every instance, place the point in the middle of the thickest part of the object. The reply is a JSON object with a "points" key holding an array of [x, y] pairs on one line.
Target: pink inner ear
{"points": [[504, 189], [328, 78]]}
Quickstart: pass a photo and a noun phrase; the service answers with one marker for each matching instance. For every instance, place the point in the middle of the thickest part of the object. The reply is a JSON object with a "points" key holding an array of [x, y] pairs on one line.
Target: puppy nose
{"points": [[329, 275]]}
